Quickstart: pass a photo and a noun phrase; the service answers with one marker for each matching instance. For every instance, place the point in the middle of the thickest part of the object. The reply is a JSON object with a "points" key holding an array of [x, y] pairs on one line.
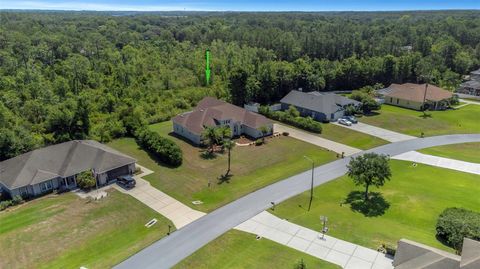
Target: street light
{"points": [[311, 186]]}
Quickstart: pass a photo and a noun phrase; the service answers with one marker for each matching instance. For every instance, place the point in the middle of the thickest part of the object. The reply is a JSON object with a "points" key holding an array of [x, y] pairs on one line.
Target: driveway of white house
{"points": [[384, 134]]}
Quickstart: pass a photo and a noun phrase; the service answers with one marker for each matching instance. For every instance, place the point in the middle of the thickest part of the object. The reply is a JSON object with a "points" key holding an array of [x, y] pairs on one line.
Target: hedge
{"points": [[456, 223], [163, 148], [306, 123], [16, 200]]}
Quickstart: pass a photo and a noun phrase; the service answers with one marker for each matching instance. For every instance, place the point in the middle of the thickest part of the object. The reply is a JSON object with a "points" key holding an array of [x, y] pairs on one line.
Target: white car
{"points": [[345, 122]]}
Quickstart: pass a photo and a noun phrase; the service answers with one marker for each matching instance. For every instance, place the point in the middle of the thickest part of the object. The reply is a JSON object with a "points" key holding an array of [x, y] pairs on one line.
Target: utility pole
{"points": [[311, 185]]}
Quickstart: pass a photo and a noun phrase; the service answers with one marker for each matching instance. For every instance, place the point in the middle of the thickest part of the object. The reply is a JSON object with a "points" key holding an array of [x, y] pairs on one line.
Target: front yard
{"points": [[410, 122], [253, 167], [65, 231], [237, 249], [468, 152], [407, 207]]}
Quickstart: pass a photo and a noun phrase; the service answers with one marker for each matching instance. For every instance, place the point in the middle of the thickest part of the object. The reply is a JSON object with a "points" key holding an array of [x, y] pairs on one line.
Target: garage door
{"points": [[115, 173]]}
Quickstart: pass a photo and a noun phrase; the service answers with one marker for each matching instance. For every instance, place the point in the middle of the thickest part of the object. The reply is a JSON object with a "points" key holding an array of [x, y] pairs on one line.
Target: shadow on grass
{"points": [[425, 116], [207, 155], [224, 179], [375, 206]]}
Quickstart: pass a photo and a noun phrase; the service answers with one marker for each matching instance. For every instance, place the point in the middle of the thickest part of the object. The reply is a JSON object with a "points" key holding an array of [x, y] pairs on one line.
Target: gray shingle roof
{"points": [[326, 103], [471, 84], [61, 160]]}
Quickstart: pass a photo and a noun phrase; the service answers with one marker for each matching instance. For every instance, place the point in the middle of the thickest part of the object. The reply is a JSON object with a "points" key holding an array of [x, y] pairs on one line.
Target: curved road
{"points": [[170, 250]]}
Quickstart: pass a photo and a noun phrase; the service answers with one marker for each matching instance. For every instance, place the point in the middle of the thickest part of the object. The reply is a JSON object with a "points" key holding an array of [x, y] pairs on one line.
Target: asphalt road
{"points": [[170, 250]]}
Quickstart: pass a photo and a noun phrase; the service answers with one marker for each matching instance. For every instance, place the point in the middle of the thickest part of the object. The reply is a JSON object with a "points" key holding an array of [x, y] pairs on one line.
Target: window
{"points": [[398, 100], [45, 186], [391, 100]]}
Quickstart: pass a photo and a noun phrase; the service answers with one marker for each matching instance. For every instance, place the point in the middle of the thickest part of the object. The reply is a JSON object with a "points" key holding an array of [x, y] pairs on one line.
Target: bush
{"points": [[456, 223], [86, 180], [17, 199], [285, 133], [164, 149], [291, 117], [5, 204], [258, 142]]}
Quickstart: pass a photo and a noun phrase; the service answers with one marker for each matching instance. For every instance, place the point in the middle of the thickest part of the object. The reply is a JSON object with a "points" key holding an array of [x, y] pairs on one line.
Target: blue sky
{"points": [[239, 5]]}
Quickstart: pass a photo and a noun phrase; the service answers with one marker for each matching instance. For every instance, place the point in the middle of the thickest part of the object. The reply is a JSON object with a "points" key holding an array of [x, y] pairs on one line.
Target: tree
{"points": [[369, 169], [300, 265], [210, 137], [86, 180], [265, 130], [229, 145]]}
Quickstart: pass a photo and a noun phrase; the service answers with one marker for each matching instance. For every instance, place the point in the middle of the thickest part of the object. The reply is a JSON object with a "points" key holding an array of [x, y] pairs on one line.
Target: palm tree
{"points": [[228, 144], [210, 137], [265, 130]]}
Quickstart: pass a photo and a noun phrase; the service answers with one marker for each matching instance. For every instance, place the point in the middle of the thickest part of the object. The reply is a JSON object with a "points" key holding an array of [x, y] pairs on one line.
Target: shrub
{"points": [[164, 149], [456, 223], [17, 199], [258, 142], [291, 117], [86, 180], [5, 204], [285, 133]]}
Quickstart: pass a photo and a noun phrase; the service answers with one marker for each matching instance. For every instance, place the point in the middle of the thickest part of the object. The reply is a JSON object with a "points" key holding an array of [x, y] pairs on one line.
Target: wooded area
{"points": [[99, 75]]}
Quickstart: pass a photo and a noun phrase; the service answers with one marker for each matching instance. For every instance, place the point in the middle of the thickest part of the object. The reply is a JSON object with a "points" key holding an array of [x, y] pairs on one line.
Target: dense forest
{"points": [[76, 75]]}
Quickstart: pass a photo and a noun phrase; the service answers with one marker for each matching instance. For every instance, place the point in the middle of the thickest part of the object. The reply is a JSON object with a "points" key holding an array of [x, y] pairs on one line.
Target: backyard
{"points": [[406, 207], [253, 167], [468, 152], [411, 122], [237, 249], [65, 231]]}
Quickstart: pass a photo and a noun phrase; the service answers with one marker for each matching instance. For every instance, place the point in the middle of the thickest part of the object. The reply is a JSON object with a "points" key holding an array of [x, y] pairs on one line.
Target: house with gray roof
{"points": [[211, 112], [413, 255], [319, 106], [56, 167], [471, 88]]}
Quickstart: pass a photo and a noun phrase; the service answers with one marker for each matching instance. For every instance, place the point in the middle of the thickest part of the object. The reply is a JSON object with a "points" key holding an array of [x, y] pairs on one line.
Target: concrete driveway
{"points": [[316, 140], [172, 209], [384, 134]]}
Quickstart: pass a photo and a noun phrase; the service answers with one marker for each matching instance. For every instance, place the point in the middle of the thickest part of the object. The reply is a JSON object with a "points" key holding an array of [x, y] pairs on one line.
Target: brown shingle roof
{"points": [[209, 110], [416, 92]]}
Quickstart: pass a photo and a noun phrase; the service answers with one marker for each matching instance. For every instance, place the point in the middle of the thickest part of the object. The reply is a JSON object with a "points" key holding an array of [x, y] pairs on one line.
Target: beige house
{"points": [[214, 112], [56, 167], [414, 96]]}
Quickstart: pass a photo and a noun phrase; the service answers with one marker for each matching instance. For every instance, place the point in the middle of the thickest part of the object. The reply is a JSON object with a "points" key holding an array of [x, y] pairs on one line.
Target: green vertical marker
{"points": [[207, 66]]}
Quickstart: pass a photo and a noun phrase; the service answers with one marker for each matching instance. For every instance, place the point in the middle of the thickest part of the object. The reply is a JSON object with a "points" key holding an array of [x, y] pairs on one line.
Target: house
{"points": [[413, 96], [319, 106], [214, 112], [471, 88], [413, 255], [56, 167]]}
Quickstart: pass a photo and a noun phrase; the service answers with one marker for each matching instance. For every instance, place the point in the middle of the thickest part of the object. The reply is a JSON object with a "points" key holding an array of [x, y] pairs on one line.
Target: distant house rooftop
{"points": [[211, 110], [326, 103], [415, 92], [61, 160], [476, 72]]}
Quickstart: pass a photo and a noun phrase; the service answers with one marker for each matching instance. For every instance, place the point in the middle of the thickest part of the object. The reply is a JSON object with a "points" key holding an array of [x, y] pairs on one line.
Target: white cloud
{"points": [[88, 6]]}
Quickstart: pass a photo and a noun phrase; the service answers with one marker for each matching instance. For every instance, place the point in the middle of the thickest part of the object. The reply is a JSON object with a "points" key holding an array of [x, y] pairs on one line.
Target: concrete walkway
{"points": [[414, 156], [470, 102], [172, 209], [330, 249], [384, 134], [316, 140]]}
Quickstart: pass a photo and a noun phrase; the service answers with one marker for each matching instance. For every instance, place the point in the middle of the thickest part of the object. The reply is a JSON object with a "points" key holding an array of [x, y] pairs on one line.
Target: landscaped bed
{"points": [[468, 152], [253, 167], [237, 249], [411, 122], [407, 206], [65, 231]]}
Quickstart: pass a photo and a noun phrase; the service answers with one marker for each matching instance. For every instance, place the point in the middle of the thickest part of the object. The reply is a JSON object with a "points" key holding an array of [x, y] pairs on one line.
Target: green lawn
{"points": [[407, 121], [237, 249], [416, 196], [66, 231], [252, 167], [350, 137], [468, 152]]}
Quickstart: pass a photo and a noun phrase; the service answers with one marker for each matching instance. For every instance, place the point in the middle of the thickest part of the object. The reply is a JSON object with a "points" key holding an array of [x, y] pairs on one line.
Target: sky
{"points": [[241, 5]]}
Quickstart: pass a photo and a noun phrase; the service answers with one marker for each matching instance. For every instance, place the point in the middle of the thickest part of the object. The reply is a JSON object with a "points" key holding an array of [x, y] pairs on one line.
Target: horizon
{"points": [[245, 6]]}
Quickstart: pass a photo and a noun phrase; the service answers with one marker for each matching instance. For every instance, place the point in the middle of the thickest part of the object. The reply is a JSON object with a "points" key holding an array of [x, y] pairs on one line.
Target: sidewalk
{"points": [[172, 209], [473, 168], [316, 140], [345, 254], [384, 134]]}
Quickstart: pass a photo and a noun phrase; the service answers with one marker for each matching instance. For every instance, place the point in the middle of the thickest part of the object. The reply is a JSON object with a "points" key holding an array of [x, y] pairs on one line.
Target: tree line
{"points": [[76, 75]]}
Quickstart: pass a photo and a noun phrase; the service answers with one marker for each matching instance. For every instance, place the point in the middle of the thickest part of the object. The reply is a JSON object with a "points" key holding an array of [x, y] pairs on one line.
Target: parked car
{"points": [[345, 122], [351, 119], [127, 182]]}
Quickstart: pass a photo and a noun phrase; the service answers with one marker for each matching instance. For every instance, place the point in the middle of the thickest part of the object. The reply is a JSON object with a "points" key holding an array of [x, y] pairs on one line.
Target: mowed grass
{"points": [[416, 196], [468, 152], [463, 120], [350, 137], [237, 249], [252, 167], [65, 231]]}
